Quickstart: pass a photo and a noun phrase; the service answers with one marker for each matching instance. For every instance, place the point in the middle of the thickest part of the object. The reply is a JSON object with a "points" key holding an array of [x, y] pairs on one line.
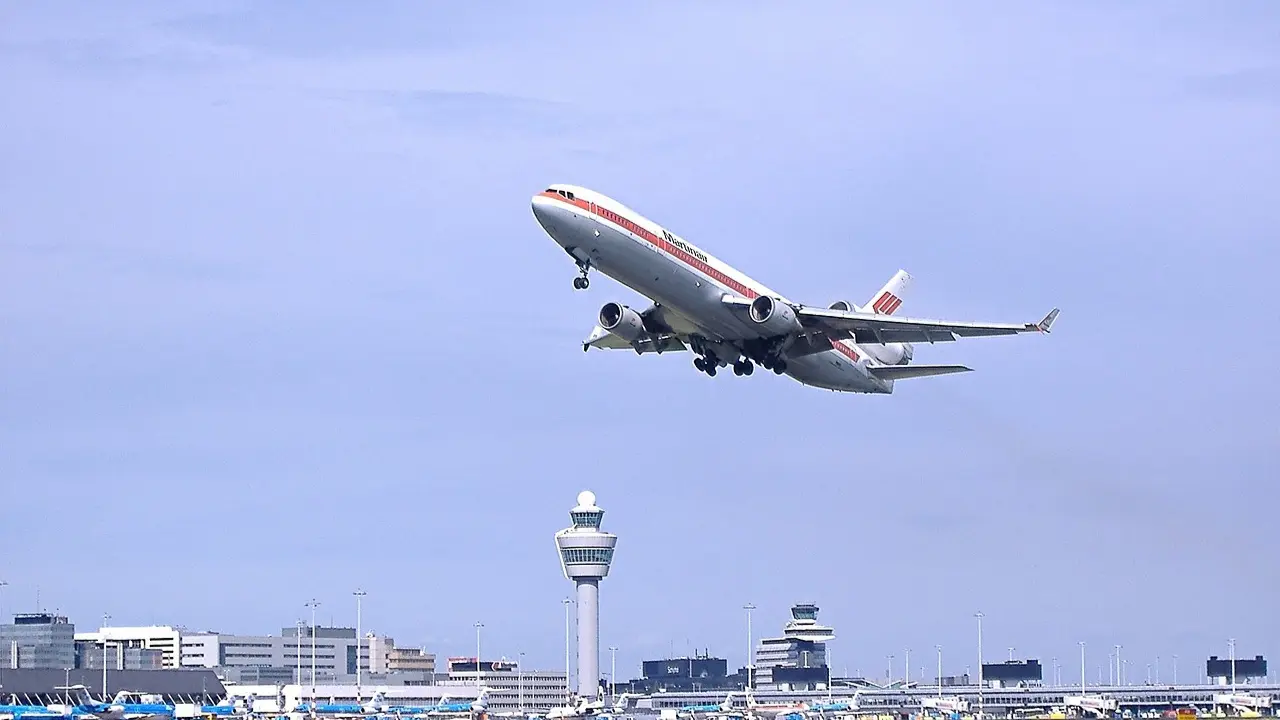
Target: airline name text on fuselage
{"points": [[683, 246]]}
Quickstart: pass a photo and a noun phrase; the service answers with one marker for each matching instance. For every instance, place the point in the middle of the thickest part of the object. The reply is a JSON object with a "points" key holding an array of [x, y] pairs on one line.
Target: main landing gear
{"points": [[582, 282], [709, 365], [705, 365], [777, 365]]}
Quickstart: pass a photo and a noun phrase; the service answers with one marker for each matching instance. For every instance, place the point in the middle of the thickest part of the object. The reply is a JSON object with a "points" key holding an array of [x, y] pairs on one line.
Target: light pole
{"points": [[750, 651], [1119, 674], [1157, 669], [568, 692], [889, 671], [906, 672], [1175, 669], [613, 671], [478, 626], [105, 618], [826, 659], [3, 584], [520, 681], [1011, 654], [1082, 678], [299, 679], [939, 649], [359, 596], [313, 605], [981, 704], [1230, 643]]}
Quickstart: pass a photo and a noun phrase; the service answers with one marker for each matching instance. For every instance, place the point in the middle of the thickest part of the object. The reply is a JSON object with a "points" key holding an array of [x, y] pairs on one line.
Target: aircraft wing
{"points": [[872, 328], [651, 343], [877, 328]]}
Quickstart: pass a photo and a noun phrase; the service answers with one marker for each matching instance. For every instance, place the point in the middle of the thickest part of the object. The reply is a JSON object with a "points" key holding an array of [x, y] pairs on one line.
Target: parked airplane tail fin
{"points": [[888, 299]]}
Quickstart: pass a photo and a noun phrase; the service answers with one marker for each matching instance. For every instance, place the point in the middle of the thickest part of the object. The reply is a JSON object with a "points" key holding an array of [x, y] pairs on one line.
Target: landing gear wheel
{"points": [[698, 363], [581, 283], [779, 368], [711, 370], [743, 367]]}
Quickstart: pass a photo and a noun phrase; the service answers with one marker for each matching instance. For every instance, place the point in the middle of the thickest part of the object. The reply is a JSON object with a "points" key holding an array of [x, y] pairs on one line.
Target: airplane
{"points": [[151, 707], [688, 712], [375, 705], [728, 319], [231, 705], [444, 707], [580, 707]]}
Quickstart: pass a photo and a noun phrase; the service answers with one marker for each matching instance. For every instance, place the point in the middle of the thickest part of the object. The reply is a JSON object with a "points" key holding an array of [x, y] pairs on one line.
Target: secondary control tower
{"points": [[585, 555]]}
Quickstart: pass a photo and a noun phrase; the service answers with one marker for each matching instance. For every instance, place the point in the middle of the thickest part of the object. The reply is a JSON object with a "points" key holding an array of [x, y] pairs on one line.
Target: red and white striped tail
{"points": [[889, 298]]}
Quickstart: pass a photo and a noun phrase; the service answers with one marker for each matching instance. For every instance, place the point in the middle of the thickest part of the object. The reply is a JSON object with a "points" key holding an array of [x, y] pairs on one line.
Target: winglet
{"points": [[1044, 325]]}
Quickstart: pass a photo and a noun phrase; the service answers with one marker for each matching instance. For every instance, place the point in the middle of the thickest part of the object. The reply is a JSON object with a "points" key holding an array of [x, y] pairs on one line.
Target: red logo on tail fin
{"points": [[887, 304]]}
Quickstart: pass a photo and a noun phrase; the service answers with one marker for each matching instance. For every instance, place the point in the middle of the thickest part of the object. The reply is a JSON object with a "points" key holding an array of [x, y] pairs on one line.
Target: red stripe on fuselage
{"points": [[677, 253], [659, 242]]}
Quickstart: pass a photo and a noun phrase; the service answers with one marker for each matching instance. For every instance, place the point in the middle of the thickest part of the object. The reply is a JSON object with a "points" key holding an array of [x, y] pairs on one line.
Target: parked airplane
{"points": [[231, 705], [690, 712], [726, 318], [444, 707], [375, 705], [146, 707]]}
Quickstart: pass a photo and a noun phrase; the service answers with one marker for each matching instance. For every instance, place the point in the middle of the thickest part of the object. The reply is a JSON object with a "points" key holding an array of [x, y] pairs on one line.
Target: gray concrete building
{"points": [[289, 657], [41, 641]]}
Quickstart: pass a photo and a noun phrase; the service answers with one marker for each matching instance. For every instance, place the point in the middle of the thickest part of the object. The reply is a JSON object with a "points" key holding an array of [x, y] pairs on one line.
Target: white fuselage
{"points": [[685, 280]]}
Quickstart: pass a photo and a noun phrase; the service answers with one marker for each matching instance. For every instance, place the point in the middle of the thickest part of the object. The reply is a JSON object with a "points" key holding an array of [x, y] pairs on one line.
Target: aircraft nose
{"points": [[544, 210]]}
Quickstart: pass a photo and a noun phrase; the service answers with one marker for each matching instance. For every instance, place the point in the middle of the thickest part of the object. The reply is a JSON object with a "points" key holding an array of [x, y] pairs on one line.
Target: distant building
{"points": [[1221, 672], [684, 674], [89, 656], [120, 639], [510, 688], [41, 641], [272, 659], [385, 657], [798, 659], [40, 687], [1012, 673]]}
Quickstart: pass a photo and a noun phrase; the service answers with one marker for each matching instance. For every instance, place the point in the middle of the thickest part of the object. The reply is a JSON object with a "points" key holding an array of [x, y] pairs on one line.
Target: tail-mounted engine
{"points": [[891, 353]]}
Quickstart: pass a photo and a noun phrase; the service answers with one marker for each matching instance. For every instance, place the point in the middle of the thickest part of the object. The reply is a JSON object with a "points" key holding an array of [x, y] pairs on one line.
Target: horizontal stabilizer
{"points": [[903, 372]]}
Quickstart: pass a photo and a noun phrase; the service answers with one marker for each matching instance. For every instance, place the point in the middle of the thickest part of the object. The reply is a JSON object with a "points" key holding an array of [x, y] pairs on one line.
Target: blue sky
{"points": [[278, 321]]}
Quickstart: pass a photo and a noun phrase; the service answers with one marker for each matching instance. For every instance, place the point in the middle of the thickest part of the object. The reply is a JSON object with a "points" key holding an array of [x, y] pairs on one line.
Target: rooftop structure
{"points": [[798, 659], [586, 553], [164, 638]]}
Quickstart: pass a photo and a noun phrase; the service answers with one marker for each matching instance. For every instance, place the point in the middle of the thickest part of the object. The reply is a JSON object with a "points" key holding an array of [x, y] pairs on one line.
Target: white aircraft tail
{"points": [[889, 298]]}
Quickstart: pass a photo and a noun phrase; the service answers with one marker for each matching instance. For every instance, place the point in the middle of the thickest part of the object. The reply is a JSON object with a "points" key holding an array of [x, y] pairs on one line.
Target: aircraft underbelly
{"points": [[831, 371]]}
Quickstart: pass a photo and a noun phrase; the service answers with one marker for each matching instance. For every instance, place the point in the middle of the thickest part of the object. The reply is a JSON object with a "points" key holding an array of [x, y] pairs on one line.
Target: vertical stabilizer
{"points": [[889, 298]]}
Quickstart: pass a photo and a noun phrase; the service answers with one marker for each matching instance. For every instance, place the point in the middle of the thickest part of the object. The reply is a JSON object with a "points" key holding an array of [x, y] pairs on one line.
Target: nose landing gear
{"points": [[582, 282]]}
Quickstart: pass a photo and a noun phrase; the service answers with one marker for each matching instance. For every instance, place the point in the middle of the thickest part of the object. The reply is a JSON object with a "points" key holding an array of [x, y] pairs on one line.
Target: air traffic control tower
{"points": [[585, 555]]}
